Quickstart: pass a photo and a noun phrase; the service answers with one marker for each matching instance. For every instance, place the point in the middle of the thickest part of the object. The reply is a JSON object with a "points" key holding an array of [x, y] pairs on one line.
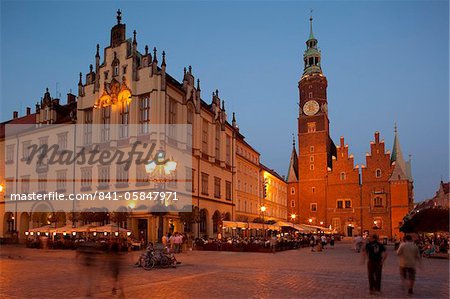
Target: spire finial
{"points": [[163, 58], [91, 68], [119, 16], [190, 69], [98, 51], [146, 50], [184, 71], [134, 37], [154, 55], [311, 35], [234, 117], [80, 82], [293, 140], [223, 105], [395, 127], [198, 84]]}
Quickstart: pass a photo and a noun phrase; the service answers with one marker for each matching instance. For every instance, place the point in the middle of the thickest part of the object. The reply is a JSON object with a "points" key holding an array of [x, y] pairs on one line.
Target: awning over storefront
{"points": [[110, 228], [42, 229]]}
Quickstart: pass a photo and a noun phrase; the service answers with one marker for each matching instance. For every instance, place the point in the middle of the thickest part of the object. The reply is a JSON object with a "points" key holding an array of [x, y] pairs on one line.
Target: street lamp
{"points": [[160, 167], [293, 216], [321, 222], [263, 209], [310, 220]]}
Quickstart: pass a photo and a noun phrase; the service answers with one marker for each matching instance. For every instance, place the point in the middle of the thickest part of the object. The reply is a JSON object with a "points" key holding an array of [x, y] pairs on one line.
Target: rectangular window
{"points": [[106, 119], [26, 150], [205, 137], [348, 204], [86, 178], [10, 153], [122, 175], [313, 207], [228, 150], [103, 177], [25, 184], [190, 122], [144, 114], [9, 186], [124, 119], [217, 187], [310, 95], [42, 182], [62, 141], [172, 116], [343, 176], [205, 178], [61, 180], [227, 190], [378, 201], [340, 204], [217, 143], [141, 175], [311, 127], [189, 179], [88, 118]]}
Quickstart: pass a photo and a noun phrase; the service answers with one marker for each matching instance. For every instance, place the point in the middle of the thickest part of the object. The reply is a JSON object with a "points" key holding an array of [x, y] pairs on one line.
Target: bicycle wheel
{"points": [[148, 264]]}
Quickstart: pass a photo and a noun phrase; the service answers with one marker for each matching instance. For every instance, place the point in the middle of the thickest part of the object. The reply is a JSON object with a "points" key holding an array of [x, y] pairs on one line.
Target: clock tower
{"points": [[316, 148]]}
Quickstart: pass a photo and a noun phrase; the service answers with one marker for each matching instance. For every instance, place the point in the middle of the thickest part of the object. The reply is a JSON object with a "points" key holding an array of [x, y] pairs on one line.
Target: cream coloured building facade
{"points": [[125, 92]]}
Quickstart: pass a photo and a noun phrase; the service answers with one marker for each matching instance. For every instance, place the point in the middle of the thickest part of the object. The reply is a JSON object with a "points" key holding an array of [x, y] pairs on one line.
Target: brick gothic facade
{"points": [[325, 187]]}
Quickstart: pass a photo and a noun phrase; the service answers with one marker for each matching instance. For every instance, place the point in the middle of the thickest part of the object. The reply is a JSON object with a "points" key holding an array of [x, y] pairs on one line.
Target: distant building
{"points": [[441, 198], [324, 186]]}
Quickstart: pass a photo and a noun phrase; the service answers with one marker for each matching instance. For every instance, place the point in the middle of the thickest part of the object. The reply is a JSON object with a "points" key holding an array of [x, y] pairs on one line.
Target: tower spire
{"points": [[119, 16], [401, 169], [311, 35]]}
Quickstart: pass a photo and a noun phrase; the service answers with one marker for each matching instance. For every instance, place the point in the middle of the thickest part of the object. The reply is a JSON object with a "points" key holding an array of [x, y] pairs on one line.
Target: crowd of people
{"points": [[271, 242]]}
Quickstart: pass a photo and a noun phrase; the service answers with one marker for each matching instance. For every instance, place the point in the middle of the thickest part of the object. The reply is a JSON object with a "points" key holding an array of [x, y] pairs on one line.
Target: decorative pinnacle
{"points": [[98, 51], [80, 82], [395, 127], [190, 69], [184, 71], [119, 16], [146, 50], [134, 37], [217, 92], [223, 105], [163, 58], [198, 83], [91, 67], [293, 140], [154, 55], [234, 117]]}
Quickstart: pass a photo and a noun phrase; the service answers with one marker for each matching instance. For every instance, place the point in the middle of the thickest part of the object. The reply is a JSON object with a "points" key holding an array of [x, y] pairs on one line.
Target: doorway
{"points": [[349, 231], [143, 230]]}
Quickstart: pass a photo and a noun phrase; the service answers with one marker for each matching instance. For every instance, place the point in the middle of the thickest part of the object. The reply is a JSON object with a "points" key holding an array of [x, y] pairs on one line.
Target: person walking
{"points": [[409, 256], [376, 254]]}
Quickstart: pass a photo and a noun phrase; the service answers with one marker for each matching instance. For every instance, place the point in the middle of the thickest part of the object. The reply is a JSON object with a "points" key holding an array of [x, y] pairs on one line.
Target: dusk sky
{"points": [[385, 61]]}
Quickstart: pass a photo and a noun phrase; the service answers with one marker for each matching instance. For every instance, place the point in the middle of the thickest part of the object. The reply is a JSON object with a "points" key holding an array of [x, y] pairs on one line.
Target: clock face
{"points": [[311, 108]]}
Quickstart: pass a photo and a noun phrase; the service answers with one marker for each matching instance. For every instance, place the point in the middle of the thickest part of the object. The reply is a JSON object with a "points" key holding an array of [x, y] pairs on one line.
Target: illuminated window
{"points": [[377, 223], [106, 118], [313, 207], [311, 127]]}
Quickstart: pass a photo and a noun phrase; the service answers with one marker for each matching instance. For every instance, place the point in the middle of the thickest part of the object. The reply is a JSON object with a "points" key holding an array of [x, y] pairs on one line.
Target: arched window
{"points": [[292, 190], [190, 122], [343, 176], [378, 173], [203, 221], [217, 221]]}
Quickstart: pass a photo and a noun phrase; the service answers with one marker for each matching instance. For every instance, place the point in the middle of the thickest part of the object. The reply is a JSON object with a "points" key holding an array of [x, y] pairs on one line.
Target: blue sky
{"points": [[386, 62]]}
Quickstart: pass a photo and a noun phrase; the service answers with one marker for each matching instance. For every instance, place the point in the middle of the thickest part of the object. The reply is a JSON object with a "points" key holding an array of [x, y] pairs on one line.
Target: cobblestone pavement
{"points": [[333, 273]]}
